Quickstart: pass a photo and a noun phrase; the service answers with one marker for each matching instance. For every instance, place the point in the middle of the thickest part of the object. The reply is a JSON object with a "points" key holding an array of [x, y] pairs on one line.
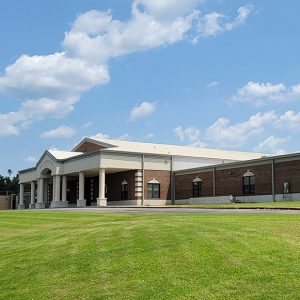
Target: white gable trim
{"points": [[197, 179], [154, 181], [248, 173]]}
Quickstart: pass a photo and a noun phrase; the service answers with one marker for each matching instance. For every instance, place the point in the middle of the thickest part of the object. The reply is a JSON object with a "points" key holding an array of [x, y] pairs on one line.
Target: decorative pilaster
{"points": [[138, 186]]}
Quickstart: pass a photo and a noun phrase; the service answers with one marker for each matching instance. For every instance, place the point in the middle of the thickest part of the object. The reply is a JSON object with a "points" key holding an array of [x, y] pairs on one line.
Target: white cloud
{"points": [[99, 136], [88, 124], [143, 110], [191, 135], [226, 135], [166, 9], [289, 120], [213, 84], [54, 148], [214, 23], [262, 93], [124, 137], [149, 135], [271, 144], [53, 75], [50, 85], [179, 132], [59, 132], [31, 159]]}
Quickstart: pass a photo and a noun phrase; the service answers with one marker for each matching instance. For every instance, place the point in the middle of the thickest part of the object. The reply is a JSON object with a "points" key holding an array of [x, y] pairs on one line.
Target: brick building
{"points": [[112, 172], [266, 179]]}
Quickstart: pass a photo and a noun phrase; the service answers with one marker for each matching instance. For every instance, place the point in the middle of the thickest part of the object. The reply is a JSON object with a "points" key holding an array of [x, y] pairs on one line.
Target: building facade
{"points": [[266, 179], [110, 172]]}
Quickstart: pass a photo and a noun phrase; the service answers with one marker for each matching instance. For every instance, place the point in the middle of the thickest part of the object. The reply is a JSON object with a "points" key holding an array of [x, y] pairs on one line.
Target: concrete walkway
{"points": [[168, 210]]}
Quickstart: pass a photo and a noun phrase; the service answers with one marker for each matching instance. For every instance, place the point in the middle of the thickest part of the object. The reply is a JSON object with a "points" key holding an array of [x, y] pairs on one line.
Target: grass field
{"points": [[284, 205], [53, 255]]}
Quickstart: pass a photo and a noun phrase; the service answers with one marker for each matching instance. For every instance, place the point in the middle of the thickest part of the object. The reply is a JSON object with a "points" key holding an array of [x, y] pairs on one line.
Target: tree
{"points": [[8, 184]]}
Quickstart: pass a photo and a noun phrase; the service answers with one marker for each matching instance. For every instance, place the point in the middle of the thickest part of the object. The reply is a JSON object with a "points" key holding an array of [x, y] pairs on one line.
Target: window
{"points": [[248, 183], [197, 187], [124, 190], [153, 189]]}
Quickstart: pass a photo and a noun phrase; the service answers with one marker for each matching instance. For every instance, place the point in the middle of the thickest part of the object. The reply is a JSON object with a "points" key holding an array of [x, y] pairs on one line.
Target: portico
{"points": [[43, 196]]}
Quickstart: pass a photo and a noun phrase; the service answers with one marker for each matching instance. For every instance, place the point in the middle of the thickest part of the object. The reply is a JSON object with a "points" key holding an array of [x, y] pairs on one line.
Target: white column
{"points": [[32, 194], [64, 189], [21, 200], [40, 200], [57, 188], [101, 201], [56, 200], [81, 201], [41, 190]]}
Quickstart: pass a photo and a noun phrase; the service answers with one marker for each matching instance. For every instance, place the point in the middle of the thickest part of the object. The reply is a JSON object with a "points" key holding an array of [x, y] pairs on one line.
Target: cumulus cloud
{"points": [[190, 135], [214, 23], [258, 93], [87, 125], [59, 132], [124, 137], [272, 145], [99, 136], [212, 84], [143, 110], [226, 135], [50, 85], [149, 135], [289, 120]]}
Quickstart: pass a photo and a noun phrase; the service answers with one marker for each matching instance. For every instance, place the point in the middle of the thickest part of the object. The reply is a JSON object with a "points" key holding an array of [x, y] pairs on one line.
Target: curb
{"points": [[192, 207]]}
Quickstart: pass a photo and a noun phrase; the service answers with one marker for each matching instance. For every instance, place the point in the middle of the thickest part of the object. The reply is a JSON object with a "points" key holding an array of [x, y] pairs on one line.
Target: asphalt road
{"points": [[168, 210]]}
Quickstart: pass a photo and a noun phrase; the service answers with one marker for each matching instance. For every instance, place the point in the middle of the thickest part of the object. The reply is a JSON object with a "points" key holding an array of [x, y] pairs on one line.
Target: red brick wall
{"points": [[164, 177], [229, 182], [184, 185], [113, 182], [287, 172]]}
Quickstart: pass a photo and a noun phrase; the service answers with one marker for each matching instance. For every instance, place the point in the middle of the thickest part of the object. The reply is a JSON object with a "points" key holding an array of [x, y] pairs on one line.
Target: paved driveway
{"points": [[176, 210]]}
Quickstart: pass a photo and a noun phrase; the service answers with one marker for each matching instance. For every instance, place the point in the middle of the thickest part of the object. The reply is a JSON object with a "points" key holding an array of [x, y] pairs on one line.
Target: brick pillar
{"points": [[138, 186]]}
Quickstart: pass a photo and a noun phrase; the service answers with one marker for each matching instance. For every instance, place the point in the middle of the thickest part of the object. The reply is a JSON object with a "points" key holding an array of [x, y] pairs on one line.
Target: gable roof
{"points": [[164, 149], [63, 154]]}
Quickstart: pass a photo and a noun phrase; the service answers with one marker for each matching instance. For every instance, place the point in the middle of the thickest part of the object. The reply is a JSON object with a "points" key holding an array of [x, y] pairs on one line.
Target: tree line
{"points": [[9, 183]]}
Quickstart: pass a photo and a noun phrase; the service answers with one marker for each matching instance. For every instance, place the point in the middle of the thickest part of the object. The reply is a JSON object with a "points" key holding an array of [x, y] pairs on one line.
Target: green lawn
{"points": [[284, 205], [53, 255]]}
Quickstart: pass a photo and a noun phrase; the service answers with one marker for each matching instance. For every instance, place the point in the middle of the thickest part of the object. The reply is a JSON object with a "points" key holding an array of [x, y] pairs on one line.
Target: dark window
{"points": [[124, 192], [249, 185], [153, 190], [197, 189]]}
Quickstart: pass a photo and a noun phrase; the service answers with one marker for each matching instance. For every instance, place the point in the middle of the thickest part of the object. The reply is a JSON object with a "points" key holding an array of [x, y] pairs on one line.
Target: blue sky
{"points": [[218, 74]]}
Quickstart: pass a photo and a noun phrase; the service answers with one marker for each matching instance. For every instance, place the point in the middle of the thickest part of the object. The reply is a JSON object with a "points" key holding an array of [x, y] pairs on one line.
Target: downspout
{"points": [[214, 180], [143, 182], [273, 179], [172, 182]]}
